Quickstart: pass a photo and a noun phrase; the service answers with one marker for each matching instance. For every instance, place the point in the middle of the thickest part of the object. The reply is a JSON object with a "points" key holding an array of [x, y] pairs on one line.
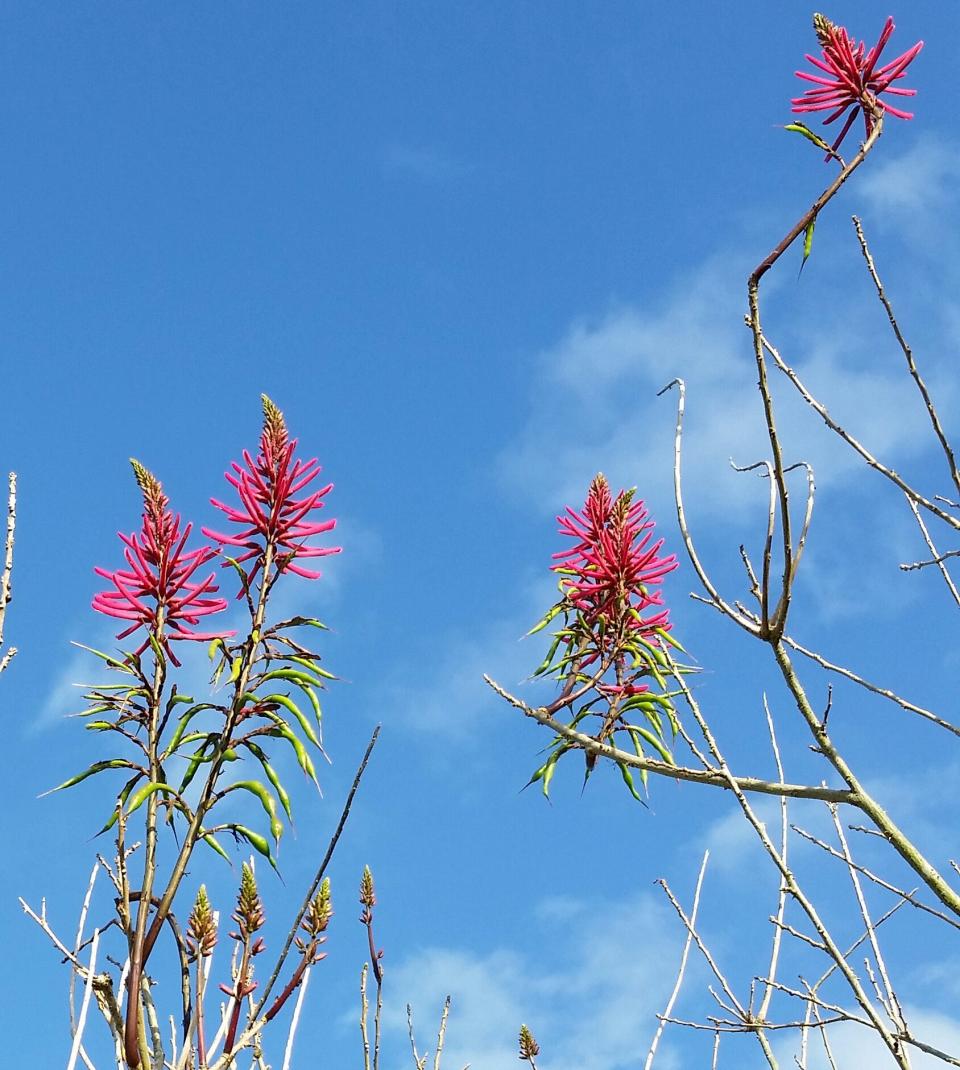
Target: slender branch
{"points": [[764, 1008], [668, 1010], [85, 1003], [714, 779], [820, 409], [295, 1020], [7, 570], [884, 692], [938, 559], [908, 355], [318, 876], [688, 543], [907, 897], [441, 1033]]}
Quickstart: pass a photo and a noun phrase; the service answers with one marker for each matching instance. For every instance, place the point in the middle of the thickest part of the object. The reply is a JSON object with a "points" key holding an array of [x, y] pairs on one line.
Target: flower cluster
{"points": [[851, 77], [274, 519], [608, 576], [157, 591]]}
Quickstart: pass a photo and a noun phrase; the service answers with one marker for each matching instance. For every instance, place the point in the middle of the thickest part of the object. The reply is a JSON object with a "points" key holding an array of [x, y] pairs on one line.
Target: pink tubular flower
{"points": [[608, 573], [156, 591], [269, 510], [852, 77]]}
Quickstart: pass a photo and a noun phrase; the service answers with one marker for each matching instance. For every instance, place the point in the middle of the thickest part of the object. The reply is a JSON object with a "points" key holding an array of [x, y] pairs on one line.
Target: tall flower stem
{"points": [[138, 952], [216, 764], [773, 622]]}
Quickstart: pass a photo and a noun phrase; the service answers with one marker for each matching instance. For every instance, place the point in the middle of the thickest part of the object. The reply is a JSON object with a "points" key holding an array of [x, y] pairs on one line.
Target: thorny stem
{"points": [[772, 625]]}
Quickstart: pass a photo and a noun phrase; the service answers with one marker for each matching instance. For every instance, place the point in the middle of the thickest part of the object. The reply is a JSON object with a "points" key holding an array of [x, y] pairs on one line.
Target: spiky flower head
{"points": [[319, 912], [274, 520], [368, 896], [201, 927], [529, 1048], [608, 575], [315, 924], [823, 28], [156, 591], [249, 914], [851, 79]]}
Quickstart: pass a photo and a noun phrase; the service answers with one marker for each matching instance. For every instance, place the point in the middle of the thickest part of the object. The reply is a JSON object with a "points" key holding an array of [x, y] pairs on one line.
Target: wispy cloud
{"points": [[916, 186], [595, 405], [425, 163], [614, 967]]}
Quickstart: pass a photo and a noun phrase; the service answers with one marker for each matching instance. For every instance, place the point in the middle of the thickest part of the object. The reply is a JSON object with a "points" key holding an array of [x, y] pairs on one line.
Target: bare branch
{"points": [[7, 569], [674, 772], [668, 1010], [938, 559], [908, 354]]}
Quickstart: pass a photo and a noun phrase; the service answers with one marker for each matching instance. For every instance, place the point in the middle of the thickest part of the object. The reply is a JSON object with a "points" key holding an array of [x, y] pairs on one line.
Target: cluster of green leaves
{"points": [[599, 668], [274, 683]]}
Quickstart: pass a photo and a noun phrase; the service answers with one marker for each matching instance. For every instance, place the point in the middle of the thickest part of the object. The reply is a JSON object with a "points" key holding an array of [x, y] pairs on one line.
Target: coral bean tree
{"points": [[625, 696], [190, 769]]}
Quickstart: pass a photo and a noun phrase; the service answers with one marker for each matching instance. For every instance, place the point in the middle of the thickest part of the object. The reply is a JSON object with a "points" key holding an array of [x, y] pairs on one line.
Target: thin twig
{"points": [[295, 1020], [441, 1033], [674, 772], [85, 1003], [7, 571], [688, 543], [883, 692], [318, 876], [938, 559], [668, 1010], [908, 355], [820, 409]]}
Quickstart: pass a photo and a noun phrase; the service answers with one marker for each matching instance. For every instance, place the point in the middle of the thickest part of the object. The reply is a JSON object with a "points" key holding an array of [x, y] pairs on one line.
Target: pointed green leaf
{"points": [[97, 767]]}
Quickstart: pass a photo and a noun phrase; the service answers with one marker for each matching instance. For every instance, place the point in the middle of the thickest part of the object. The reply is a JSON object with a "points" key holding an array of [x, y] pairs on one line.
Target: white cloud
{"points": [[448, 698], [615, 968], [854, 1046], [595, 404], [914, 187]]}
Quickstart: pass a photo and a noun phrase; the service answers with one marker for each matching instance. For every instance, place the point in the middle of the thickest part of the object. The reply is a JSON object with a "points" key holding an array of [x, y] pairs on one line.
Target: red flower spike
{"points": [[269, 510], [156, 592], [608, 574], [851, 78]]}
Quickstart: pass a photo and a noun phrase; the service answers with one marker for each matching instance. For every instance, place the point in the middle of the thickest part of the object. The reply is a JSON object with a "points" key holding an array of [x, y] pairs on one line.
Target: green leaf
{"points": [[121, 801], [628, 780], [288, 704], [97, 767], [177, 738], [284, 731], [802, 128], [114, 663], [546, 618], [267, 801], [807, 243], [210, 840], [271, 773], [259, 843], [657, 745], [145, 792]]}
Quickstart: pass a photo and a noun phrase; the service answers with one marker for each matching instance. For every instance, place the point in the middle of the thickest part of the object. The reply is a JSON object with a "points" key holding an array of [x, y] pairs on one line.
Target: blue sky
{"points": [[462, 247]]}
